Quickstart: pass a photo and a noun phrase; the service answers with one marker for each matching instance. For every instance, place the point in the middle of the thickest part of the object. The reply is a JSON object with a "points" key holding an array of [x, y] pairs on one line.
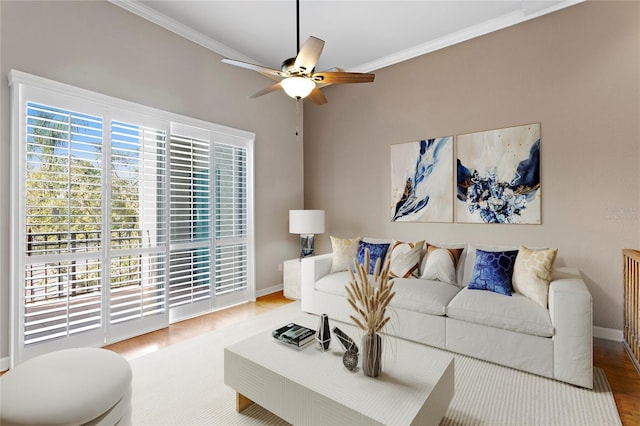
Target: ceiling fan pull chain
{"points": [[298, 119]]}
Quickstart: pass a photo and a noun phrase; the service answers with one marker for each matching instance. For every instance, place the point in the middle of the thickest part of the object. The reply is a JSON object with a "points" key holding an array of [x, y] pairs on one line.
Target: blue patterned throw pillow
{"points": [[375, 251], [493, 271]]}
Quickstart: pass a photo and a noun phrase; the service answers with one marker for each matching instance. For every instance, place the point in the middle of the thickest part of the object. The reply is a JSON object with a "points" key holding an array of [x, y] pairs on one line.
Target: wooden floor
{"points": [[180, 331], [623, 378]]}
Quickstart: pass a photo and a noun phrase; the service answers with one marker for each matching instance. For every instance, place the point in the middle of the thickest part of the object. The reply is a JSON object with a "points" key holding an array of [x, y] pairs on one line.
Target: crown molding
{"points": [[182, 30], [469, 33]]}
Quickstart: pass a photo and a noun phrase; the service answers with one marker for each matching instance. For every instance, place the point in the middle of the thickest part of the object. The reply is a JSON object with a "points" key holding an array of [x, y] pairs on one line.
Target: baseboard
{"points": [[607, 333], [269, 290], [4, 363]]}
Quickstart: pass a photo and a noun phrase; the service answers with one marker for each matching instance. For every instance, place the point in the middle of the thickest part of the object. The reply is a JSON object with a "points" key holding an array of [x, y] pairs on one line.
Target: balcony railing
{"points": [[632, 304], [69, 278]]}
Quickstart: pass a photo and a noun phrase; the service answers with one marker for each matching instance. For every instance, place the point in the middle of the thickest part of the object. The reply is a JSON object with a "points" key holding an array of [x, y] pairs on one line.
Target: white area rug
{"points": [[184, 384]]}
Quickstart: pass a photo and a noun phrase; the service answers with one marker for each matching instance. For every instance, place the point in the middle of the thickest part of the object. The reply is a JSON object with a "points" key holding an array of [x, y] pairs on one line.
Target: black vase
{"points": [[350, 360], [323, 335], [371, 354]]}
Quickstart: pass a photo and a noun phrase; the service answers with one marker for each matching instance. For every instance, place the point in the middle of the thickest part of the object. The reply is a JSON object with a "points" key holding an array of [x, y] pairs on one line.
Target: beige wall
{"points": [[576, 71], [101, 47]]}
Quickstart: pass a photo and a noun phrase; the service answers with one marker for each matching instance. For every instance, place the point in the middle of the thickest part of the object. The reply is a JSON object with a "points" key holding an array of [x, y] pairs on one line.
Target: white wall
{"points": [[576, 71], [101, 47]]}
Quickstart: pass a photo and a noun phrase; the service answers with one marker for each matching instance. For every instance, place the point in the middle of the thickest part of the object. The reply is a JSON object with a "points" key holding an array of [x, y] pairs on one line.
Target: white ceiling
{"points": [[360, 35]]}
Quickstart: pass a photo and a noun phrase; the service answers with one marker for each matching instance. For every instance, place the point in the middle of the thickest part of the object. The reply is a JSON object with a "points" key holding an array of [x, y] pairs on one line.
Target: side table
{"points": [[292, 277]]}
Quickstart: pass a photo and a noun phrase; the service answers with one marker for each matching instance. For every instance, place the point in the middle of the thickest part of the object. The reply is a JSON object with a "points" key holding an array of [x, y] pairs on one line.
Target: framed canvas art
{"points": [[498, 176], [422, 181]]}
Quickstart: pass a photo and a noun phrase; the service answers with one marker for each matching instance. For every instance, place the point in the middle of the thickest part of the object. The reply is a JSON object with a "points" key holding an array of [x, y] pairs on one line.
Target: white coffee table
{"points": [[313, 387]]}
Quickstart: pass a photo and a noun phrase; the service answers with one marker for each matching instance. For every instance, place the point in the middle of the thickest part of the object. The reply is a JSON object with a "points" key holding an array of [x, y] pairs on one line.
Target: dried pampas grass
{"points": [[370, 300]]}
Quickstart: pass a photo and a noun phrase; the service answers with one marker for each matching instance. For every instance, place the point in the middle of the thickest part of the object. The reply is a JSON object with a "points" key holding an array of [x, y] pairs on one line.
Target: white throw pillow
{"points": [[532, 273], [441, 264], [405, 259], [345, 251]]}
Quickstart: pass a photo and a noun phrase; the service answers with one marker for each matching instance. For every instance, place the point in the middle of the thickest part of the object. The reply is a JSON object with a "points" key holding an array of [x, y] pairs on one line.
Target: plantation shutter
{"points": [[66, 206], [63, 269], [190, 258], [231, 219], [138, 226], [210, 254]]}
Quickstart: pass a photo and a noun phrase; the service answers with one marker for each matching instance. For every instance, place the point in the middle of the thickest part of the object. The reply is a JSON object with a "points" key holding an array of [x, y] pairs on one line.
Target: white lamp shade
{"points": [[297, 87], [306, 221]]}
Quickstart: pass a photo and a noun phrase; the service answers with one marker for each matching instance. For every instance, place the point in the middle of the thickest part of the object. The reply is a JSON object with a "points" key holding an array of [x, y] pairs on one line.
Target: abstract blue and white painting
{"points": [[422, 181], [498, 176]]}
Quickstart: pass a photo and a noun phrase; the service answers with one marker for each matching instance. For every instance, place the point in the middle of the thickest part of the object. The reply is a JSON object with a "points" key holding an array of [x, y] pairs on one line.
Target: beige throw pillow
{"points": [[405, 259], [441, 264], [532, 273], [344, 251]]}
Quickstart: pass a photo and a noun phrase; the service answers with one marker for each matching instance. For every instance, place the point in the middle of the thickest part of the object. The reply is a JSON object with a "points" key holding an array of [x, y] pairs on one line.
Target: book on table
{"points": [[294, 335]]}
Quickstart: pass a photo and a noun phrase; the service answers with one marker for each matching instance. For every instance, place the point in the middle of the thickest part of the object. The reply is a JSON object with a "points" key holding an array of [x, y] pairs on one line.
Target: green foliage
{"points": [[64, 190]]}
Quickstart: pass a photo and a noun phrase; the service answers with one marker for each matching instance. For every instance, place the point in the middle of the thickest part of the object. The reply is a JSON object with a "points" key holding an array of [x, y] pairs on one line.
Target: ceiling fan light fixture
{"points": [[298, 87]]}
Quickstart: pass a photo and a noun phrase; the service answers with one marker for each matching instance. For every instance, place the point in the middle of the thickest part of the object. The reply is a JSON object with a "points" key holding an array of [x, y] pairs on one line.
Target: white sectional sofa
{"points": [[554, 342]]}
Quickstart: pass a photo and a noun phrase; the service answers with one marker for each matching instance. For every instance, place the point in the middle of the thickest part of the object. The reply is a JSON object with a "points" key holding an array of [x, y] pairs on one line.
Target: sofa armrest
{"points": [[312, 269], [570, 308]]}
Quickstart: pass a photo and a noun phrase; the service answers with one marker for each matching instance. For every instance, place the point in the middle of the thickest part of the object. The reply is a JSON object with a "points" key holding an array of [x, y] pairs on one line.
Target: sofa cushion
{"points": [[425, 296], [376, 251], [412, 294], [441, 264], [517, 313], [344, 251], [405, 259], [532, 273], [334, 283], [493, 270]]}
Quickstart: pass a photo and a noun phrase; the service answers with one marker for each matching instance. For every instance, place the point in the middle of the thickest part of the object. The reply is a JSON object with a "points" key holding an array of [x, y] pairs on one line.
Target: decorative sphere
{"points": [[350, 360]]}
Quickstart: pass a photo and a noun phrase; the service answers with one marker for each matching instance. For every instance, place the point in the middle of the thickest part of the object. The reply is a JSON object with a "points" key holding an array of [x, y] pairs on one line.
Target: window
{"points": [[137, 226], [201, 246], [190, 281], [113, 233], [231, 255], [63, 215]]}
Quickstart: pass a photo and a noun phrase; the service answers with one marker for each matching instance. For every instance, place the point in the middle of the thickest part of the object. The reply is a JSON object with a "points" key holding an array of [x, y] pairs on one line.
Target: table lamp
{"points": [[306, 223]]}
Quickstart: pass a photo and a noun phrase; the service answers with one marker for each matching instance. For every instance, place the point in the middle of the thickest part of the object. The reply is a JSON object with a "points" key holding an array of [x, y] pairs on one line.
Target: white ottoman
{"points": [[85, 386]]}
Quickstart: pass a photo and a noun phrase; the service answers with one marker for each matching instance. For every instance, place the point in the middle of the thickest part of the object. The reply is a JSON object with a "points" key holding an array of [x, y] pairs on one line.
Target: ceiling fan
{"points": [[297, 77]]}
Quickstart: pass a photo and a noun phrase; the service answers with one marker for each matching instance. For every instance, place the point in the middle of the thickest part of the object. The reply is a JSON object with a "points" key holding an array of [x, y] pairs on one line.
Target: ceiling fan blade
{"points": [[267, 90], [317, 97], [268, 72], [309, 54], [342, 77]]}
